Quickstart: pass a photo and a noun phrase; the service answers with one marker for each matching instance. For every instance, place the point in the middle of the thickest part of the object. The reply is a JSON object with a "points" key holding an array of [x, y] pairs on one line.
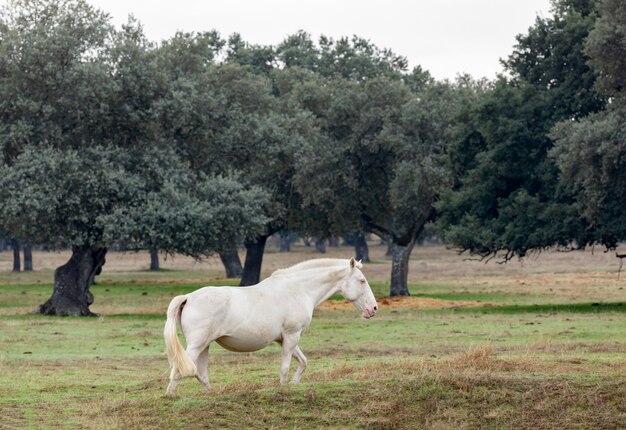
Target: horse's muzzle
{"points": [[369, 312]]}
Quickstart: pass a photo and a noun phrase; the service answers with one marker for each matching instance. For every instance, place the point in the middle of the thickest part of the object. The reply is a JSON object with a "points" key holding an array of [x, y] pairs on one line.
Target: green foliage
{"points": [[606, 47], [186, 54], [380, 166], [198, 142], [101, 196], [592, 157], [259, 59], [52, 79], [256, 135], [57, 196], [551, 57], [591, 153], [507, 197], [135, 86], [348, 58], [196, 217], [86, 126]]}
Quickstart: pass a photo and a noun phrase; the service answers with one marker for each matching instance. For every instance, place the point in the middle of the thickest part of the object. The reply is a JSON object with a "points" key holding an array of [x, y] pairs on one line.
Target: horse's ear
{"points": [[352, 263]]}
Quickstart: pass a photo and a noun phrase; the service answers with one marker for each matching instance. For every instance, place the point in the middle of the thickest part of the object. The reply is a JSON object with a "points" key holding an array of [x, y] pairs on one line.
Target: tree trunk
{"points": [[320, 245], [154, 259], [28, 258], [285, 242], [232, 263], [348, 240], [254, 260], [361, 249], [71, 295], [389, 251], [400, 268], [15, 244]]}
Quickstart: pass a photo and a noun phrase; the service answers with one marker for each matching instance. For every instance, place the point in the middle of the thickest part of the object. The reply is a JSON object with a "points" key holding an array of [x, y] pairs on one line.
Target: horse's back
{"points": [[230, 305]]}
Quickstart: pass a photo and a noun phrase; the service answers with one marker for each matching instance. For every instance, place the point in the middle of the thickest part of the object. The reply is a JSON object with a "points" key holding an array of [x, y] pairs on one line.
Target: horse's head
{"points": [[357, 290]]}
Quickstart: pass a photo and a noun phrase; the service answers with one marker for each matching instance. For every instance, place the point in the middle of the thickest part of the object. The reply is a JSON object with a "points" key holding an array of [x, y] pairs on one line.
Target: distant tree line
{"points": [[199, 144]]}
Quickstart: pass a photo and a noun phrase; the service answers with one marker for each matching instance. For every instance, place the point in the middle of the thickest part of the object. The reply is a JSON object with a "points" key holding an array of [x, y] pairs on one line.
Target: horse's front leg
{"points": [[289, 343], [301, 364]]}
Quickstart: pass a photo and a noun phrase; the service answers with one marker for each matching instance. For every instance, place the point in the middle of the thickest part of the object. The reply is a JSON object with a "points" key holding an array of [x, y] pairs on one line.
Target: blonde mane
{"points": [[312, 264]]}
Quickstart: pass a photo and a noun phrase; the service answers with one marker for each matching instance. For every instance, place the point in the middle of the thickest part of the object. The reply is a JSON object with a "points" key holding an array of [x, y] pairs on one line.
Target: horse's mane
{"points": [[312, 264]]}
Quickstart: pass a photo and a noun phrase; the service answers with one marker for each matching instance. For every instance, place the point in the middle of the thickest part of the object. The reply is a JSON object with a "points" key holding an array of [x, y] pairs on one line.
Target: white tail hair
{"points": [[176, 355]]}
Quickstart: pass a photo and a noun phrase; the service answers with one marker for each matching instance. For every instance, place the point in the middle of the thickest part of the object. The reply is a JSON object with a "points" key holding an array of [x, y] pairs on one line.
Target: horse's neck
{"points": [[319, 287]]}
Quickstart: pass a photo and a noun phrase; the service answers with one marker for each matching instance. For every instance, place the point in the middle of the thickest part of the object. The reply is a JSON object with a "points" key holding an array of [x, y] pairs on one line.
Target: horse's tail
{"points": [[176, 355]]}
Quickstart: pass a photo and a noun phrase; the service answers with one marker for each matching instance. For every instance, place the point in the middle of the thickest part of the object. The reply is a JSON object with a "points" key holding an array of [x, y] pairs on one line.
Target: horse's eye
{"points": [[362, 281]]}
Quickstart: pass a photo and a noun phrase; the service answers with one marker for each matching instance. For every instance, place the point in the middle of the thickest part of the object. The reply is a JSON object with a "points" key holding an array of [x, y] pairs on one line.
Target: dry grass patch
{"points": [[426, 401], [474, 362]]}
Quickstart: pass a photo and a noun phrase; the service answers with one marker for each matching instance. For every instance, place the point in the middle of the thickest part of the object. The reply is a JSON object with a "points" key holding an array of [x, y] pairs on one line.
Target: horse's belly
{"points": [[238, 344]]}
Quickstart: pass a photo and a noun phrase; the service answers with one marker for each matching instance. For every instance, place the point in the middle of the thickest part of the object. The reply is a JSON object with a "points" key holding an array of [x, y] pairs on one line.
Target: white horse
{"points": [[245, 319]]}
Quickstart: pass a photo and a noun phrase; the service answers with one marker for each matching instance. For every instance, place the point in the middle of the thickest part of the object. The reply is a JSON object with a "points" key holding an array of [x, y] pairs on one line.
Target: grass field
{"points": [[539, 344]]}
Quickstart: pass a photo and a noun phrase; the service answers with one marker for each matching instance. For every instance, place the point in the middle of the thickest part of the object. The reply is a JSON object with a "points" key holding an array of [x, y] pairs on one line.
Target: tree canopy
{"points": [[591, 152], [508, 199], [200, 143], [88, 159], [380, 166]]}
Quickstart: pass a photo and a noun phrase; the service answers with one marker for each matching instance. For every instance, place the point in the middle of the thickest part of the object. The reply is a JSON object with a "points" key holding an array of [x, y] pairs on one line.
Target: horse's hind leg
{"points": [[200, 356], [297, 353], [202, 368]]}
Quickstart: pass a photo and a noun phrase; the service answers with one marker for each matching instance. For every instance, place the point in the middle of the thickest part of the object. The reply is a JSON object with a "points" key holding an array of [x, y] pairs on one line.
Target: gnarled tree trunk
{"points": [[254, 260], [400, 253], [361, 249], [154, 259], [320, 245], [232, 263], [71, 295], [400, 248], [28, 258], [17, 266]]}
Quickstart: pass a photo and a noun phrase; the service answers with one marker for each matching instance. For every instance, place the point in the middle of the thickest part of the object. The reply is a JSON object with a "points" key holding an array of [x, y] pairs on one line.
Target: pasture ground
{"points": [[538, 344]]}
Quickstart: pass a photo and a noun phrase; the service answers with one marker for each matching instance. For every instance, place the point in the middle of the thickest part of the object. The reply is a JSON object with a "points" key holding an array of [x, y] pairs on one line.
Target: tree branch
{"points": [[371, 226]]}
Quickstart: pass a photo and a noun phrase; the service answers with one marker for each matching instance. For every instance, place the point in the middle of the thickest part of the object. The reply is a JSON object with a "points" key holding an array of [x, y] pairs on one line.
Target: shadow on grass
{"points": [[548, 308], [479, 297]]}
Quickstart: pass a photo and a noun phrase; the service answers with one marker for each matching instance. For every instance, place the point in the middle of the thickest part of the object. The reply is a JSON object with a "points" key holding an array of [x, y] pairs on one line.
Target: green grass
{"points": [[532, 361]]}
